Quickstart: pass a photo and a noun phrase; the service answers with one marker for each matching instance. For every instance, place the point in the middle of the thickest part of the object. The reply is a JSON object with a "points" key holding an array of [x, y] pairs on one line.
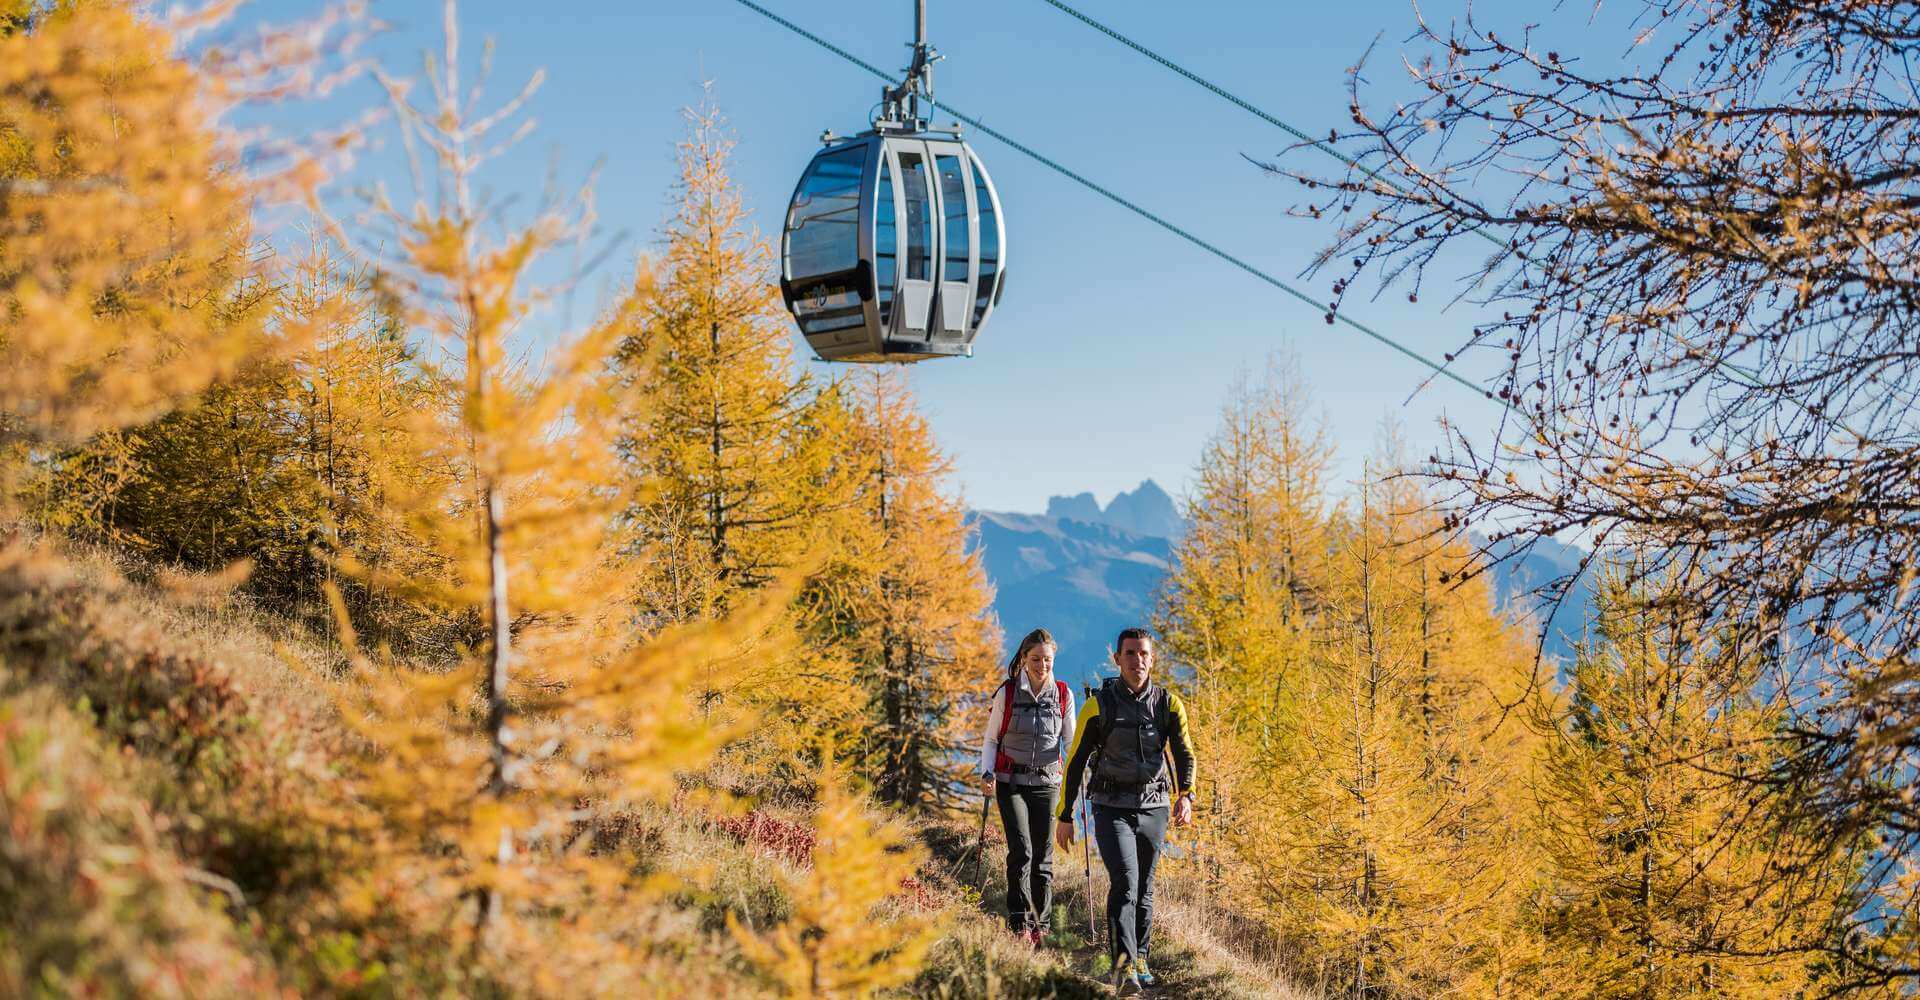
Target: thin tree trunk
{"points": [[497, 677], [1427, 710], [716, 510]]}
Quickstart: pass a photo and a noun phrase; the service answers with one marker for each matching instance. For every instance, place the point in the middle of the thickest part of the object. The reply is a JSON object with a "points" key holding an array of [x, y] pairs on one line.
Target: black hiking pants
{"points": [[1129, 841], [1026, 813]]}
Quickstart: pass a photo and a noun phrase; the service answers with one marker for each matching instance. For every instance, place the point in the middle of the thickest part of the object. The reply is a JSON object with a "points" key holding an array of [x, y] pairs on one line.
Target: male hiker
{"points": [[1127, 730]]}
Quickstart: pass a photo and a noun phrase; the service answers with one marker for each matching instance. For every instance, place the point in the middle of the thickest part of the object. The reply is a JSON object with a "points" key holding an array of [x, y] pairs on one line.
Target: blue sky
{"points": [[1108, 359]]}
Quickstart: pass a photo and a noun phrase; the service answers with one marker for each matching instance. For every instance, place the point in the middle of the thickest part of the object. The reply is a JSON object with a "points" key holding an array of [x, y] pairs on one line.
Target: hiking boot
{"points": [[1035, 937], [1125, 982], [1141, 975]]}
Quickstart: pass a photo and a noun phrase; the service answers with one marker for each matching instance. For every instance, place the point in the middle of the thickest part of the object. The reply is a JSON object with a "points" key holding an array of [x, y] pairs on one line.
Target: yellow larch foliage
{"points": [[125, 279], [906, 601], [1396, 844], [833, 944], [739, 466], [489, 776], [725, 435], [1672, 878], [282, 462], [1370, 798], [1235, 605]]}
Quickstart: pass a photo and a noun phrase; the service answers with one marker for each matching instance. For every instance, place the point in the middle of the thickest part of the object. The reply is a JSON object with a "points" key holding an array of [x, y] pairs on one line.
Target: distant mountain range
{"points": [[1147, 512], [1081, 571], [1084, 572]]}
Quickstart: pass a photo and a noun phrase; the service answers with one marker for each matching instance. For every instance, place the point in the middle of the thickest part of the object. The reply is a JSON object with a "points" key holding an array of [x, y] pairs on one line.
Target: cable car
{"points": [[893, 248]]}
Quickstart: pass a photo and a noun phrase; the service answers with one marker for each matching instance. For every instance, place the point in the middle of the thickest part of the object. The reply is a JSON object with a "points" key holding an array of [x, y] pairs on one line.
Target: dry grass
{"points": [[188, 743], [1200, 951]]}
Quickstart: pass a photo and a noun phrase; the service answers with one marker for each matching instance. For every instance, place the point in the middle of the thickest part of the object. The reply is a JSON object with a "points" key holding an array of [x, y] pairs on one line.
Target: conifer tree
{"points": [[1672, 880], [486, 774], [347, 402], [906, 601], [741, 468], [126, 284], [1375, 793], [1235, 605], [276, 466], [726, 438], [833, 945]]}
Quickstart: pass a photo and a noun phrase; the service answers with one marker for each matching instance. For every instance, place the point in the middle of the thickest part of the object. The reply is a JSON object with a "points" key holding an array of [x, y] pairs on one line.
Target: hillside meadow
{"points": [[369, 627]]}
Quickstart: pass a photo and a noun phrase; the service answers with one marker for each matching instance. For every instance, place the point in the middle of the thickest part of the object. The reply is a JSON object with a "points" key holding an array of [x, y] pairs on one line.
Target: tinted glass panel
{"points": [[886, 243], [823, 225], [989, 245], [913, 177], [828, 305], [953, 195]]}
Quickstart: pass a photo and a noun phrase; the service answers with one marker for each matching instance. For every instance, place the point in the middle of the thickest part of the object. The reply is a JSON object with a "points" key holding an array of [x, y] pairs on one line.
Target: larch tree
{"points": [[741, 467], [275, 466], [1389, 838], [346, 403], [1668, 880], [126, 282], [489, 776], [1371, 788], [723, 433], [129, 275], [1696, 282], [1235, 606], [833, 945], [907, 602]]}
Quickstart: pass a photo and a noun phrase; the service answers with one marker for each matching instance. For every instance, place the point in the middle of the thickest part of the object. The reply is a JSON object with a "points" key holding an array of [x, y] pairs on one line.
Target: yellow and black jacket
{"points": [[1127, 737]]}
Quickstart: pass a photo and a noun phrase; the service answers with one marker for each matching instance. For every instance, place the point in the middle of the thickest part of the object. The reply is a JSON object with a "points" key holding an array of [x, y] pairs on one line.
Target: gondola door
{"points": [[957, 239], [915, 211]]}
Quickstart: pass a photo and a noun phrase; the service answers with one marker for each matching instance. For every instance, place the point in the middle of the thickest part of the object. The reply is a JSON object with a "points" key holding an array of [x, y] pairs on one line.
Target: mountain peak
{"points": [[1146, 511], [1082, 507]]}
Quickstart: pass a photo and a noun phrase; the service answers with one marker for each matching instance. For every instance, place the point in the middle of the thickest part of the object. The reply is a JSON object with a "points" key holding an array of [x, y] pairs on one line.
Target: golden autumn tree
{"points": [[1392, 834], [838, 943], [488, 775], [126, 283], [345, 402], [739, 464], [1671, 880], [905, 600], [1236, 604], [1703, 340], [1374, 799], [725, 435], [279, 464]]}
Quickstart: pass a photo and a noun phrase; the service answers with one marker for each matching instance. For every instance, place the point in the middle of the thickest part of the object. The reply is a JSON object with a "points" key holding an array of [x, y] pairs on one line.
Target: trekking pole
{"points": [[1086, 857], [1086, 849], [980, 842]]}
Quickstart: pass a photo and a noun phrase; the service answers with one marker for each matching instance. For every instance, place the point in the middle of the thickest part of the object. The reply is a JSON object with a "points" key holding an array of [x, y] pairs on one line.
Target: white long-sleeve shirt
{"points": [[990, 737]]}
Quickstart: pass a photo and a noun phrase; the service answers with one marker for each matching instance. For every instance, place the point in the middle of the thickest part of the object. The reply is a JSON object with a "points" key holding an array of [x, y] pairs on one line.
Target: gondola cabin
{"points": [[893, 248]]}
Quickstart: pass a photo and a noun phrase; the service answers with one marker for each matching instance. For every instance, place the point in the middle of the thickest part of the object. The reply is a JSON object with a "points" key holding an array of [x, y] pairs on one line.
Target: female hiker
{"points": [[1020, 761]]}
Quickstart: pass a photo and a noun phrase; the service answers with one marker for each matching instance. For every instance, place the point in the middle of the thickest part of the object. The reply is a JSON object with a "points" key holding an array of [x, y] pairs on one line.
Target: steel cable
{"points": [[1743, 376], [1436, 367]]}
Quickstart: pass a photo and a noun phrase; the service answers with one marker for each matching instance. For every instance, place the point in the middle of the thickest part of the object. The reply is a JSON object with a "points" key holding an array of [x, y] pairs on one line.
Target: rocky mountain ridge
{"points": [[1083, 572]]}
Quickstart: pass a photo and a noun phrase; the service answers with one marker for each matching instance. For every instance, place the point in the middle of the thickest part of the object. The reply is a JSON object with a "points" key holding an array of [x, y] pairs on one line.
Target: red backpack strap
{"points": [[1061, 695], [1006, 711]]}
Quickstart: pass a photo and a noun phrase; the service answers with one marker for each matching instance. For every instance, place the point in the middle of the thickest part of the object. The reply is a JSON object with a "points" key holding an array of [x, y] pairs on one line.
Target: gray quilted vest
{"points": [[1031, 741], [1132, 768]]}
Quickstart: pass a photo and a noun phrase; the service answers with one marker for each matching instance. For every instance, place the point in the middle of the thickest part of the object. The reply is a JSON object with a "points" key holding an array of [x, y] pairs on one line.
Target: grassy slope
{"points": [[171, 828]]}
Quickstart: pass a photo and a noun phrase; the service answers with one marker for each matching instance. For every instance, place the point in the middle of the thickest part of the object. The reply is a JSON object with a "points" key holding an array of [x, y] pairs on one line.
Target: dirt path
{"points": [[1083, 968]]}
